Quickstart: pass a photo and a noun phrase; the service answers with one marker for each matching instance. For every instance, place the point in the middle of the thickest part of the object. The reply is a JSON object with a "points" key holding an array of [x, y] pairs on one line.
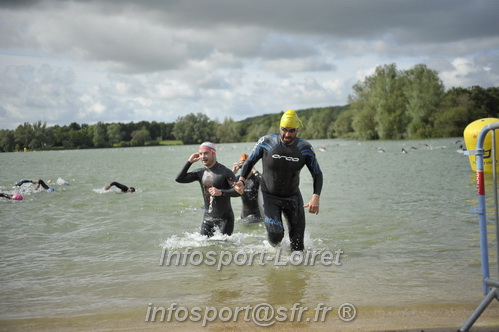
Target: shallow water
{"points": [[401, 222]]}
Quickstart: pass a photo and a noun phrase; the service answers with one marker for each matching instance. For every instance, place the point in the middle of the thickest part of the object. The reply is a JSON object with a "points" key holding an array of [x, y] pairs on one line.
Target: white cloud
{"points": [[88, 61]]}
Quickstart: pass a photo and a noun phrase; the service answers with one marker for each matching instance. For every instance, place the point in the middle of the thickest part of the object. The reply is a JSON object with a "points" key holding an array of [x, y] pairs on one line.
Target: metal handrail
{"points": [[490, 286]]}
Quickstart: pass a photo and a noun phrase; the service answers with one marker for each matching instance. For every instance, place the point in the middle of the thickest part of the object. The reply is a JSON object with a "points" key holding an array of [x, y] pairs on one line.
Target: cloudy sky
{"points": [[123, 60]]}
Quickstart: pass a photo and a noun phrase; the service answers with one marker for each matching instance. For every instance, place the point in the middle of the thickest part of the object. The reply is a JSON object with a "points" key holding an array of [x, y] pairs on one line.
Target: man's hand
{"points": [[214, 191], [193, 158], [313, 204], [239, 186]]}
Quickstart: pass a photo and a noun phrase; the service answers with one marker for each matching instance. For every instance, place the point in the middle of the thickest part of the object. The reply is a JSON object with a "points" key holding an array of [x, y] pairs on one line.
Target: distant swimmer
{"points": [[217, 187], [461, 149], [250, 212], [122, 187], [15, 197], [38, 183], [403, 150]]}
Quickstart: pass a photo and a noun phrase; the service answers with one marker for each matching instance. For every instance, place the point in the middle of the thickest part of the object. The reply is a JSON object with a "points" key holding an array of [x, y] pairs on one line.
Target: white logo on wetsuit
{"points": [[276, 156]]}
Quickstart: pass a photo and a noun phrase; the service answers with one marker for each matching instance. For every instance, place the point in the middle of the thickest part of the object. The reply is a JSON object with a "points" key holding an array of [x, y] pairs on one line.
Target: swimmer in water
{"points": [[250, 212], [283, 156], [217, 186], [15, 197], [38, 183], [122, 187]]}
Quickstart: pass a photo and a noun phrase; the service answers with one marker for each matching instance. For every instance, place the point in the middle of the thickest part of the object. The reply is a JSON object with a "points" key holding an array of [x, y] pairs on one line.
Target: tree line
{"points": [[390, 104]]}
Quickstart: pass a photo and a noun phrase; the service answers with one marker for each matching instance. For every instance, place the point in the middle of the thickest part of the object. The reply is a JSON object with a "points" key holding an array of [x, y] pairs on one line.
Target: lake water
{"points": [[401, 223]]}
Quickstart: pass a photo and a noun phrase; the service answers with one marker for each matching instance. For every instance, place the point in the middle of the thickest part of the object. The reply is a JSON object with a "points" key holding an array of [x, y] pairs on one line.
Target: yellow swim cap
{"points": [[290, 119]]}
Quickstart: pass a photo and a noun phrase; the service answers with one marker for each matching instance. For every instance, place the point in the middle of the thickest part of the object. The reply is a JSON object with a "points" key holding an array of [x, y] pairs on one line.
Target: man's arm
{"points": [[122, 187], [255, 155], [315, 171], [232, 191], [183, 176]]}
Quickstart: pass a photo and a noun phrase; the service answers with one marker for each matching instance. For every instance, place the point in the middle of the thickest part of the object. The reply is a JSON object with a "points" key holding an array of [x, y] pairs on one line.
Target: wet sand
{"points": [[422, 318]]}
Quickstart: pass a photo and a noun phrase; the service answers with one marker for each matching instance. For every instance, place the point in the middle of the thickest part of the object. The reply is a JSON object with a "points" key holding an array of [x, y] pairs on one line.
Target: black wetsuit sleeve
{"points": [[184, 177], [318, 184], [230, 192], [315, 171], [5, 195], [122, 187], [20, 183], [43, 184], [255, 155]]}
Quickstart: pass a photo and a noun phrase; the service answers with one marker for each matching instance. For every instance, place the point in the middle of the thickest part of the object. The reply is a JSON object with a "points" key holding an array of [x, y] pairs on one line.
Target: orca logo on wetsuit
{"points": [[276, 156]]}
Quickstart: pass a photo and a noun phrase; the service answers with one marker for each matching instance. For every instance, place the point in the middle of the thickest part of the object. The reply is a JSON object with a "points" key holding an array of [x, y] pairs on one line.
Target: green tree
{"points": [[167, 131], [140, 137], [316, 126], [114, 133], [194, 129], [363, 109], [7, 140], [424, 91], [23, 136], [229, 131], [457, 110], [100, 135], [41, 137], [343, 125], [389, 102]]}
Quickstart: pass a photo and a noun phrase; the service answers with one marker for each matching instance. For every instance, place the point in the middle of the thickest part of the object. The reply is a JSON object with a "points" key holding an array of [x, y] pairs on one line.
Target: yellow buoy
{"points": [[470, 137]]}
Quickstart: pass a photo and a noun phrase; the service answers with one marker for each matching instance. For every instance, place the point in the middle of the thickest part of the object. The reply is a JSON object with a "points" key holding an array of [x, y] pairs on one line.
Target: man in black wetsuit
{"points": [[122, 187], [217, 186], [38, 183], [250, 212], [283, 156]]}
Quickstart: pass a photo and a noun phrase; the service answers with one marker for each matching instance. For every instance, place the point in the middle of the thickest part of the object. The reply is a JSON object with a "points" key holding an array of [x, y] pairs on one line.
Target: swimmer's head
{"points": [[208, 145], [290, 119], [243, 157], [208, 154], [131, 190], [51, 189], [17, 197]]}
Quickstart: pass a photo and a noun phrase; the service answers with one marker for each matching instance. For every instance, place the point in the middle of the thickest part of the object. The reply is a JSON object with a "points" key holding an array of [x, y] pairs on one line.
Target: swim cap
{"points": [[51, 189], [208, 145], [243, 157], [17, 197], [290, 119]]}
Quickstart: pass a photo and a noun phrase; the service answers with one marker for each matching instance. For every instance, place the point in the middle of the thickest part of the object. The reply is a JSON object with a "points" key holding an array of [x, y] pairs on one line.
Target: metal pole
{"points": [[482, 209], [479, 310], [490, 287], [494, 166]]}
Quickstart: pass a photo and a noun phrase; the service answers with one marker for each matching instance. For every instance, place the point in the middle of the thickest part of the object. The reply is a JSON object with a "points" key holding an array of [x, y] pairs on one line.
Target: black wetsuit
{"points": [[250, 212], [43, 184], [120, 186], [218, 209], [279, 189]]}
